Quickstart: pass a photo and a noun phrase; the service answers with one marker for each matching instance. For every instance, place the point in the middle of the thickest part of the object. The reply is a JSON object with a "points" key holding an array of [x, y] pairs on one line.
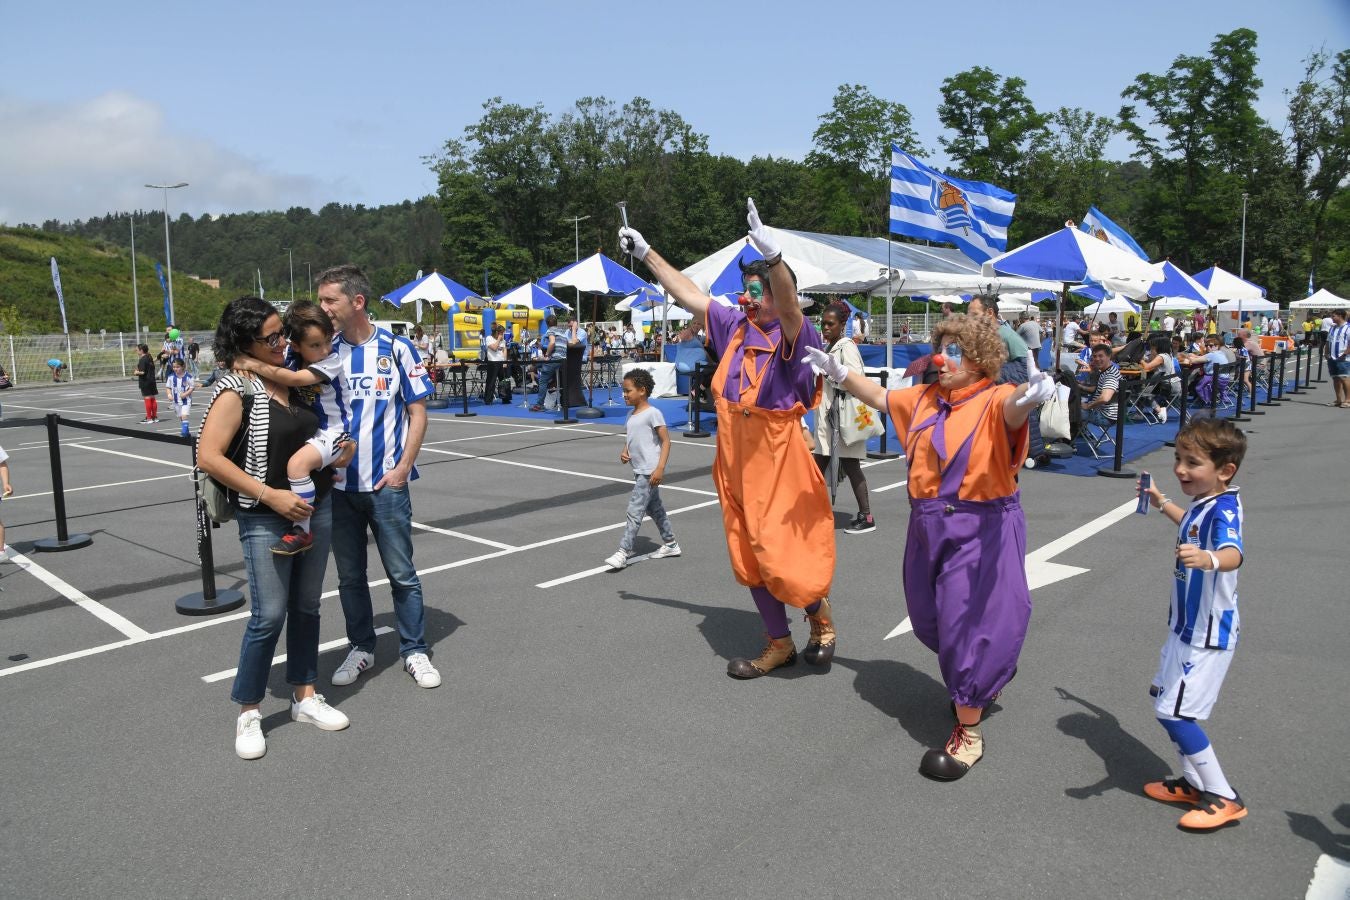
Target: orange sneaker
{"points": [[1212, 811], [1172, 790]]}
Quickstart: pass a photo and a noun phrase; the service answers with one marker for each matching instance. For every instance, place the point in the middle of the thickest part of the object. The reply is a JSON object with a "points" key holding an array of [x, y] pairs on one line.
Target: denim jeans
{"points": [[284, 590], [547, 373], [645, 500], [388, 514]]}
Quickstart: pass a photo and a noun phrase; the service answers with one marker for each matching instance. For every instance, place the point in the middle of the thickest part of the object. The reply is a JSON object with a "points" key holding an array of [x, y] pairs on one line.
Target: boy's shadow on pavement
{"points": [[1130, 764], [731, 633], [1310, 828], [439, 625]]}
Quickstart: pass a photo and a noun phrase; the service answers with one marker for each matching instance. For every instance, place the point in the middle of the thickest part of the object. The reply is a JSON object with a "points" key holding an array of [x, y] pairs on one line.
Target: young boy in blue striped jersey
{"points": [[1202, 619]]}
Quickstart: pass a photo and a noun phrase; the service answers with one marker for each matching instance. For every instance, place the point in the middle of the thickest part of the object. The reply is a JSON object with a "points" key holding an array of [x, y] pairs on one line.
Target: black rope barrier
{"points": [[1122, 406]]}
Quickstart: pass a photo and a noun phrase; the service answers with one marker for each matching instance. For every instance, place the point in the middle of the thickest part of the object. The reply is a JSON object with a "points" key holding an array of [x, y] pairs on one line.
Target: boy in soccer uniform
{"points": [[311, 336], [180, 385], [1202, 619]]}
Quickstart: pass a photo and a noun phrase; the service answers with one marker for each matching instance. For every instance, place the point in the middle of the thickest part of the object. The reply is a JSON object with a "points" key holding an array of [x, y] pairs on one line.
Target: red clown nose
{"points": [[939, 360]]}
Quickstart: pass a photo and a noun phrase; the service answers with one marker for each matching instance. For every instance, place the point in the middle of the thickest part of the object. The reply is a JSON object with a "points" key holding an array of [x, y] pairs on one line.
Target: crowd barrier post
{"points": [[1297, 359], [881, 452], [1279, 390], [437, 400], [1181, 401], [1121, 414], [562, 396], [1238, 380], [1321, 355], [64, 540], [208, 601], [464, 391], [1271, 399], [695, 407], [1307, 369]]}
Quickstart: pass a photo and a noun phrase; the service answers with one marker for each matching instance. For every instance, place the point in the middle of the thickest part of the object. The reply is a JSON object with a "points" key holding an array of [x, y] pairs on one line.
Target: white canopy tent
{"points": [[1241, 306], [1323, 299]]}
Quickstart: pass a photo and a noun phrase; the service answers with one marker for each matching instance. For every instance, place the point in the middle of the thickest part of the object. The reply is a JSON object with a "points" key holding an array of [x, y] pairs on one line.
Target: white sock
{"points": [[304, 489], [1210, 774], [1188, 771]]}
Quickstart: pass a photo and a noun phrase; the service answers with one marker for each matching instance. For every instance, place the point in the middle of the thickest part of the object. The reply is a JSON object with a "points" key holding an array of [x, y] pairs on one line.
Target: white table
{"points": [[663, 373]]}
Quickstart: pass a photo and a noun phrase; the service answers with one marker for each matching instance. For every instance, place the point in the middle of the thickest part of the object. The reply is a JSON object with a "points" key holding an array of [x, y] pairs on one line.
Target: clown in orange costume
{"points": [[965, 574], [775, 506]]}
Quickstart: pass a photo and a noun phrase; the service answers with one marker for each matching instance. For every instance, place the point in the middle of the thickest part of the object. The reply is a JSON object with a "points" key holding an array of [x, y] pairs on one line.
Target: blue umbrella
{"points": [[729, 281], [1070, 256], [1176, 287], [530, 296], [435, 288], [597, 274]]}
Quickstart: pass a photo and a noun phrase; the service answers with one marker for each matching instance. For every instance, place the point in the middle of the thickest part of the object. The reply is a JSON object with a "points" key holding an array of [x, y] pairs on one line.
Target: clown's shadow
{"points": [[915, 699]]}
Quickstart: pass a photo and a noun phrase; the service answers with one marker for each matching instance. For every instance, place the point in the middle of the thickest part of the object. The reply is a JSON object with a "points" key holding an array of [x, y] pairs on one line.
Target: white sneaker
{"points": [[249, 742], [316, 711], [423, 672], [671, 549], [357, 661], [1162, 415], [617, 560]]}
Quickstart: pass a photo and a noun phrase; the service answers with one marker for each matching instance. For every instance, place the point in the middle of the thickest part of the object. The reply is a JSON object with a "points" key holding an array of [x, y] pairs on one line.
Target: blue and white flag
{"points": [[1310, 286], [164, 285], [60, 298], [928, 204], [1102, 228]]}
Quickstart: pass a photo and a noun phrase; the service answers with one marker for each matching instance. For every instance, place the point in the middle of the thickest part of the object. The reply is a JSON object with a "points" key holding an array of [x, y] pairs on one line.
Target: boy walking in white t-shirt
{"points": [[647, 448], [1202, 620]]}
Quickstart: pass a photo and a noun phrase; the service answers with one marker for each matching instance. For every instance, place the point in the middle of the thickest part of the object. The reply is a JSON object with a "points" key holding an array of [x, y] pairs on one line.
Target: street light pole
{"points": [[135, 296], [309, 281], [1242, 257], [291, 263], [168, 256]]}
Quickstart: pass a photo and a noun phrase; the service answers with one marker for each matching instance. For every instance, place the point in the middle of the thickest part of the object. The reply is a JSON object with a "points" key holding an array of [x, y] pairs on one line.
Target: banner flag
{"points": [[60, 298], [164, 285], [1103, 229], [1310, 285], [927, 204]]}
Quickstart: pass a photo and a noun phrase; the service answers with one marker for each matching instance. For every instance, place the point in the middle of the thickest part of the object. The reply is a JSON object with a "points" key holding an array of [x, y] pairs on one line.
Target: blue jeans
{"points": [[284, 590], [388, 514], [645, 500], [547, 372]]}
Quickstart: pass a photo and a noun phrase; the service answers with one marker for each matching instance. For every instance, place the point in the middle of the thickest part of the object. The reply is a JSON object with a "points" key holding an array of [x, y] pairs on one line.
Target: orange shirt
{"points": [[996, 454]]}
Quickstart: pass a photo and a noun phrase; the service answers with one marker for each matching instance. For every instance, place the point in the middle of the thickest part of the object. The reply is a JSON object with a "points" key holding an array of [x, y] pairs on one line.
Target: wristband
{"points": [[775, 261], [1214, 560], [262, 493]]}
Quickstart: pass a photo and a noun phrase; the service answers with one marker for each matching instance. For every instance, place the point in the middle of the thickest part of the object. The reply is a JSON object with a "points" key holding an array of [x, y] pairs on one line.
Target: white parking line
{"points": [[163, 462], [94, 487], [467, 537], [556, 471], [577, 576], [116, 620], [278, 660], [890, 487]]}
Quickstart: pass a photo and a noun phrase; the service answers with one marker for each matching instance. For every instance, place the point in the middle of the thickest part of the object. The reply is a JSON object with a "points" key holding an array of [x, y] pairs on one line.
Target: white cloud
{"points": [[88, 158]]}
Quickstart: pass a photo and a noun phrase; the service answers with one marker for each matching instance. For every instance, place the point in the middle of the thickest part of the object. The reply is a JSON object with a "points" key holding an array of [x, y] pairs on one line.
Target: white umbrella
{"points": [[1114, 304], [1223, 285]]}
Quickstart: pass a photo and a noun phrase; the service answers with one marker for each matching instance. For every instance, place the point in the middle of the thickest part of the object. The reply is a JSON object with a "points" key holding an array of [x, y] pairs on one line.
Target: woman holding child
{"points": [[251, 429]]}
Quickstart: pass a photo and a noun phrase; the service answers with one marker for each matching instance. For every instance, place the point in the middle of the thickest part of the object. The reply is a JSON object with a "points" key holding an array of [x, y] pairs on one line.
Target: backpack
{"points": [[215, 496]]}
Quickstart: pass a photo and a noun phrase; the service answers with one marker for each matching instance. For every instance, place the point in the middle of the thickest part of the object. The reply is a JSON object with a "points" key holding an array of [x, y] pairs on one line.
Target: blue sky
{"points": [[271, 105]]}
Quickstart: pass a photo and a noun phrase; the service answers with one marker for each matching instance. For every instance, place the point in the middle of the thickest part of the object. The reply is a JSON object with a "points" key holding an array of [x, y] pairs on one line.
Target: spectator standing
{"points": [[495, 348], [145, 379], [1338, 357], [1169, 324], [827, 437], [382, 404], [1029, 330], [6, 491], [647, 448], [1202, 620], [179, 386]]}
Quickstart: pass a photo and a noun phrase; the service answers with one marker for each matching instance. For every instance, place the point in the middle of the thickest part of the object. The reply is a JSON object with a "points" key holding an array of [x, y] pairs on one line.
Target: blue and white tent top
{"points": [[596, 274], [1070, 256], [1176, 290], [530, 296], [840, 264], [642, 300], [434, 288], [1116, 303], [1223, 285]]}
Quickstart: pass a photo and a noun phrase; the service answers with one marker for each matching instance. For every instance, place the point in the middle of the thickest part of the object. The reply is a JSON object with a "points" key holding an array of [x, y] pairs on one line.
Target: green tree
{"points": [[995, 127]]}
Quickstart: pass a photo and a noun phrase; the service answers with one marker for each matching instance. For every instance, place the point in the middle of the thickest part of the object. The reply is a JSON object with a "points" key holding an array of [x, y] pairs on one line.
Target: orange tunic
{"points": [[775, 506], [996, 454]]}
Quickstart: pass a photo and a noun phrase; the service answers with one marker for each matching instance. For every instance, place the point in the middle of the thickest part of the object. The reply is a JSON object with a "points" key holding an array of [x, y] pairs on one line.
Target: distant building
{"points": [[209, 282]]}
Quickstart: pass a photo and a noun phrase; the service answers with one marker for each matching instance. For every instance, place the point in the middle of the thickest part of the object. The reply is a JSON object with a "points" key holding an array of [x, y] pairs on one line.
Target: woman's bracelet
{"points": [[262, 493]]}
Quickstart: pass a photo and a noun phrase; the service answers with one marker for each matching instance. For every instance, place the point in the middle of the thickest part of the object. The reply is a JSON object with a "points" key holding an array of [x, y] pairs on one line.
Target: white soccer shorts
{"points": [[1188, 680], [327, 442]]}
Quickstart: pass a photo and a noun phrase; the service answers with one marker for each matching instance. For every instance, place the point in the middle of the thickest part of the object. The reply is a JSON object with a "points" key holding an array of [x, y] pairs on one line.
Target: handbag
{"points": [[1055, 417], [215, 496], [857, 420]]}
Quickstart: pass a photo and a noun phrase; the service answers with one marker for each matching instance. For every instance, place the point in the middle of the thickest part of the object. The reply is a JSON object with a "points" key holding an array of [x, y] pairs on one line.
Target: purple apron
{"points": [[965, 576]]}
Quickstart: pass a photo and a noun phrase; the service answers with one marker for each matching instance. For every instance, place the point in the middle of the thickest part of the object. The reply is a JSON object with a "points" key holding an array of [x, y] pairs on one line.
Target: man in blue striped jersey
{"points": [[380, 399], [1202, 618], [1338, 357]]}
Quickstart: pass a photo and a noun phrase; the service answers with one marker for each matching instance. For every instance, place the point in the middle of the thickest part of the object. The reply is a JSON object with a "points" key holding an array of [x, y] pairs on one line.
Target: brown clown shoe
{"points": [[963, 749], [777, 653], [820, 649]]}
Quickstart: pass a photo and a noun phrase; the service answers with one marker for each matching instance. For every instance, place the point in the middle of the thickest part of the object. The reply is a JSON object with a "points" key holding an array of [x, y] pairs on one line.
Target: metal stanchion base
{"points": [[1117, 473], [588, 412], [197, 604], [54, 545], [877, 454], [699, 434], [465, 415], [565, 420]]}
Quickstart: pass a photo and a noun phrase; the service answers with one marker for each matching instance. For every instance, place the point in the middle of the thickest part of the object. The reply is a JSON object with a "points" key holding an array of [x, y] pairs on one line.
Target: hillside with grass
{"points": [[96, 281]]}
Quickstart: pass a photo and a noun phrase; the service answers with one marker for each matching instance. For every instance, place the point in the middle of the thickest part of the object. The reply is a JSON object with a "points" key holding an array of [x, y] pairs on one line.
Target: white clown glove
{"points": [[823, 363], [759, 234], [631, 241], [1040, 386]]}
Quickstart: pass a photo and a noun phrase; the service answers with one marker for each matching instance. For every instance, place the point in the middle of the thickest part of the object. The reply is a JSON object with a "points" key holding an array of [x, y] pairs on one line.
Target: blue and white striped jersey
{"points": [[1338, 340], [369, 399], [179, 386], [1204, 609]]}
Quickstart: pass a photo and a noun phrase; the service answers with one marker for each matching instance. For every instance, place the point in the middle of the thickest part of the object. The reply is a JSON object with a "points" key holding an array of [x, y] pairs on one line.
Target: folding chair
{"points": [[1097, 432], [1146, 399]]}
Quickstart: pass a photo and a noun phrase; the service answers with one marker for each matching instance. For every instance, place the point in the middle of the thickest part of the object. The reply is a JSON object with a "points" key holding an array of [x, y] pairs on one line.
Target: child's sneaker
{"points": [[861, 524], [1212, 811], [295, 540], [617, 560], [671, 549], [1172, 790]]}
